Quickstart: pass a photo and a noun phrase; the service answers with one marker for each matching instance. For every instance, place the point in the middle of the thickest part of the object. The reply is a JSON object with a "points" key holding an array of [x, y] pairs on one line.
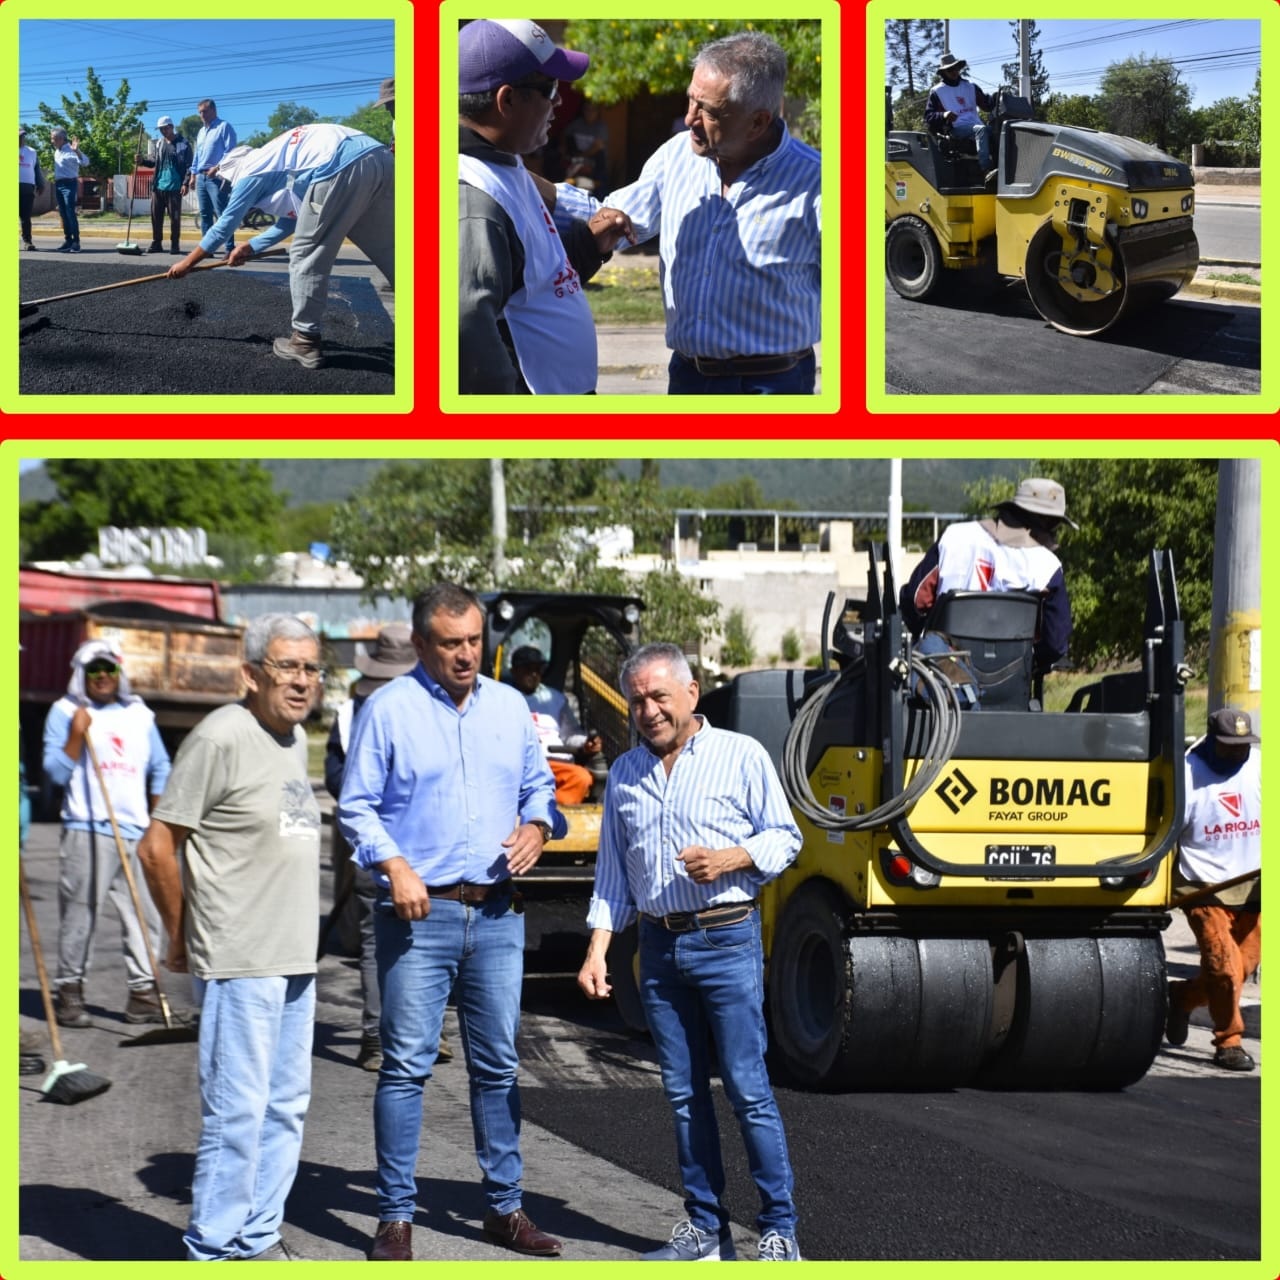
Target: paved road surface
{"points": [[1166, 1169]]}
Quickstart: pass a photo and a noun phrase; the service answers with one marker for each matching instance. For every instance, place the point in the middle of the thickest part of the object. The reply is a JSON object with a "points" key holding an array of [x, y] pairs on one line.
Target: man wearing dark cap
{"points": [[955, 101], [524, 325], [1221, 840], [1017, 551]]}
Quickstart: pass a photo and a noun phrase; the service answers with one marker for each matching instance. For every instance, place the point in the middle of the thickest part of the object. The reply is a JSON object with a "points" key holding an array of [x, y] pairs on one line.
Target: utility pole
{"points": [[1235, 646], [1024, 57], [498, 511], [895, 514]]}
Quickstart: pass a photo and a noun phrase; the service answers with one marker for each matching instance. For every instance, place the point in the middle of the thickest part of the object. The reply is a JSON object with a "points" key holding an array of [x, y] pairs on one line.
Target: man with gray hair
{"points": [[738, 203], [67, 161], [241, 917], [695, 821]]}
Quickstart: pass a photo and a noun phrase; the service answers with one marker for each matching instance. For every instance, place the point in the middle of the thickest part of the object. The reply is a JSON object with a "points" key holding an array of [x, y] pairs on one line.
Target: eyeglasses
{"points": [[549, 89], [102, 669], [289, 669]]}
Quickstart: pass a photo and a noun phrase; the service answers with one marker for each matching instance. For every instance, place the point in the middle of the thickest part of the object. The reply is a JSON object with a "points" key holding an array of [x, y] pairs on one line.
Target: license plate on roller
{"points": [[1021, 855]]}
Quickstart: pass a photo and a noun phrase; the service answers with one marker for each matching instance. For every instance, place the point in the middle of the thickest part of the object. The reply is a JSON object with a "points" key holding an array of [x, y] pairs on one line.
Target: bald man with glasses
{"points": [[524, 326]]}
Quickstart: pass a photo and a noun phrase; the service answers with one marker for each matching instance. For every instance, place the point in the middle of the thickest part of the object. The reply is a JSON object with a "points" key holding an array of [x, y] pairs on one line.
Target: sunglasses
{"points": [[102, 669], [549, 89]]}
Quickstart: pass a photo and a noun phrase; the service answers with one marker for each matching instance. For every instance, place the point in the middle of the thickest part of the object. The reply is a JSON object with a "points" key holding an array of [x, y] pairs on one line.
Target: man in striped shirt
{"points": [[695, 821], [738, 203]]}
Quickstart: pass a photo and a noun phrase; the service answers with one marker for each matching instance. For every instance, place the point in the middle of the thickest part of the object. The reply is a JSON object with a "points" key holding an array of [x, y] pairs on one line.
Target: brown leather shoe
{"points": [[393, 1242], [515, 1231], [70, 1010]]}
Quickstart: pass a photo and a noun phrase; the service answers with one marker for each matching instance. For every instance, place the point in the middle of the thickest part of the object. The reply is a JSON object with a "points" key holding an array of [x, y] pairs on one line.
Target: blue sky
{"points": [[1219, 59], [247, 67]]}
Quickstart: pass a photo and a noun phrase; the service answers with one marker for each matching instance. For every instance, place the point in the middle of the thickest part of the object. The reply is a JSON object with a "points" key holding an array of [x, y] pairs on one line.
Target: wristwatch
{"points": [[544, 827]]}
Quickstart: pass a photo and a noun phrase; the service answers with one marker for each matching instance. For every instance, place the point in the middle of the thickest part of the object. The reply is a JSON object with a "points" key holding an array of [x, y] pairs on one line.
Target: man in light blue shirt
{"points": [[446, 797], [695, 821], [215, 139], [67, 162], [323, 183], [738, 202]]}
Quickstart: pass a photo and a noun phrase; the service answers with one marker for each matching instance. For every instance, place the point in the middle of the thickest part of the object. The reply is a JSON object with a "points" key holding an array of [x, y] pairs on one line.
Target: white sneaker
{"points": [[777, 1248], [689, 1244]]}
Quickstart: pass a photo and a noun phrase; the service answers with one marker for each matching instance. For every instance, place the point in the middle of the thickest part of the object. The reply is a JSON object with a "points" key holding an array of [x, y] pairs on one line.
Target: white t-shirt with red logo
{"points": [[1222, 829], [970, 559]]}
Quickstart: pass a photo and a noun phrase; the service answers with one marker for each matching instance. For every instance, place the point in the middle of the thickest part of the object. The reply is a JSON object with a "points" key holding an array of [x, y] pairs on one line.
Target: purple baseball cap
{"points": [[504, 50]]}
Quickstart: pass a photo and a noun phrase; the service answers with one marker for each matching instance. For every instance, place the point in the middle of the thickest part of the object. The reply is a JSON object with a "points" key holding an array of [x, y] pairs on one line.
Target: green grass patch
{"points": [[626, 295], [1234, 277]]}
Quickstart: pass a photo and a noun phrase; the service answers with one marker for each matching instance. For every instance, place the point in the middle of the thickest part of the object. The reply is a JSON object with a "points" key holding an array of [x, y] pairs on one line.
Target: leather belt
{"points": [[711, 918], [746, 364], [470, 892]]}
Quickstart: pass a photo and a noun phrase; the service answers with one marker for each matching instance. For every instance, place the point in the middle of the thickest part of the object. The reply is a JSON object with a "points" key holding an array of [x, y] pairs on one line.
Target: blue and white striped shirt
{"points": [[741, 273], [722, 792]]}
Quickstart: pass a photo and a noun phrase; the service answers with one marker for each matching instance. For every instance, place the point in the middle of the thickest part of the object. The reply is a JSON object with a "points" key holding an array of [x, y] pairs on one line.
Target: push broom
{"points": [[68, 1082], [175, 1030], [133, 250]]}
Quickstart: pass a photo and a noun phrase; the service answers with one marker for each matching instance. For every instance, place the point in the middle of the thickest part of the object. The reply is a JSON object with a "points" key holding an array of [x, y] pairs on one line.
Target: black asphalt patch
{"points": [[209, 333]]}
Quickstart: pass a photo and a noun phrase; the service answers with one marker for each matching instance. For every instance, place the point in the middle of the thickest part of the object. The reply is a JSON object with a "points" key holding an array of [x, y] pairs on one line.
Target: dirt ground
{"points": [[209, 333]]}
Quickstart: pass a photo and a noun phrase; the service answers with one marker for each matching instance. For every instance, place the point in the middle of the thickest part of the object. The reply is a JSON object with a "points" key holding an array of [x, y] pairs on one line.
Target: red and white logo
{"points": [[1232, 802], [986, 570], [117, 744]]}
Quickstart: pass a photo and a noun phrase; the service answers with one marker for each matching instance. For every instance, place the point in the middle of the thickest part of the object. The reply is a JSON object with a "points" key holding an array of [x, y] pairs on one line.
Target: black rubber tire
{"points": [[1089, 1014], [874, 1011], [912, 259]]}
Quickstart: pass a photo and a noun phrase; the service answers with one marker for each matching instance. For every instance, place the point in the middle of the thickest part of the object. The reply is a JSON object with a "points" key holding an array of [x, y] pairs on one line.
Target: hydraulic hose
{"points": [[941, 709]]}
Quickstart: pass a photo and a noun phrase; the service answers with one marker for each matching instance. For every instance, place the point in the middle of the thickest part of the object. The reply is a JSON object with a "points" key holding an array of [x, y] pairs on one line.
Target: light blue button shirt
{"points": [[213, 142], [722, 792], [741, 271], [442, 787]]}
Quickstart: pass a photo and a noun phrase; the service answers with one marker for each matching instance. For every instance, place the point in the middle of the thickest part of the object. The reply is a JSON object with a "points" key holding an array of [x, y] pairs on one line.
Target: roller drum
{"points": [[1153, 263]]}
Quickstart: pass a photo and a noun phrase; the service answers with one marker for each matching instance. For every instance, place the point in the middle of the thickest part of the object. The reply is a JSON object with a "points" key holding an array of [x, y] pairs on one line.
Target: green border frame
{"points": [[878, 402], [401, 401], [827, 401]]}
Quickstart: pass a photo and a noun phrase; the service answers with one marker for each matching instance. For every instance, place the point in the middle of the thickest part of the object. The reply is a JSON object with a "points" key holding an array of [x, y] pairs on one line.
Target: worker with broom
{"points": [[129, 760], [324, 183], [241, 912]]}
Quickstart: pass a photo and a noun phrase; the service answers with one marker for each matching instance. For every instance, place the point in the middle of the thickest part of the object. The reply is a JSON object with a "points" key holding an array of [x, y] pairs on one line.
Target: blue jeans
{"points": [[978, 132], [683, 379], [478, 951], [66, 189], [255, 1084], [713, 980], [212, 197]]}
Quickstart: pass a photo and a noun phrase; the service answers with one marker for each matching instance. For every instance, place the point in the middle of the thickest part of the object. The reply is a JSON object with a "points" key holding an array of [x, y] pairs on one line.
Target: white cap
{"points": [[164, 120]]}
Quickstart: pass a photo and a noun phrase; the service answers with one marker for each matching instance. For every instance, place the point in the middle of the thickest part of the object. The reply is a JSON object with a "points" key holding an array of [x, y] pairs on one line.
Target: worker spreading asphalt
{"points": [[209, 333]]}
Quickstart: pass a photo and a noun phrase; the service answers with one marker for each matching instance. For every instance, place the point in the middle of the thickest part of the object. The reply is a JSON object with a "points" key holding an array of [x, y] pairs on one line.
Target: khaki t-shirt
{"points": [[252, 861]]}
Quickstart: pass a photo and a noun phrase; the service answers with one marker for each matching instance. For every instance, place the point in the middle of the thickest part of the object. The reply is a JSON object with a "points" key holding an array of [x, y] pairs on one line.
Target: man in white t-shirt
{"points": [[956, 101], [241, 913], [1221, 840]]}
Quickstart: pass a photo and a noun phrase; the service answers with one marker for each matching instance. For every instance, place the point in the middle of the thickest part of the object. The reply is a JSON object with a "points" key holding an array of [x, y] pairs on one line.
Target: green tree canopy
{"points": [[106, 126], [1079, 110], [1145, 98], [223, 496], [628, 55], [1126, 508], [912, 47], [415, 523]]}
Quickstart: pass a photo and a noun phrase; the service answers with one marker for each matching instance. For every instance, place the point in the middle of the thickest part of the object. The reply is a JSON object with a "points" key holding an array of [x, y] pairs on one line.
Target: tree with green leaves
{"points": [[1011, 72], [1145, 98], [1079, 110], [629, 55], [912, 47], [1126, 508], [107, 127], [415, 523], [232, 498], [1253, 116]]}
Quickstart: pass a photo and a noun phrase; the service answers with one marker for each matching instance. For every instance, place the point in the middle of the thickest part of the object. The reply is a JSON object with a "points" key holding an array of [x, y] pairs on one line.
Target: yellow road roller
{"points": [[980, 894], [1097, 225]]}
